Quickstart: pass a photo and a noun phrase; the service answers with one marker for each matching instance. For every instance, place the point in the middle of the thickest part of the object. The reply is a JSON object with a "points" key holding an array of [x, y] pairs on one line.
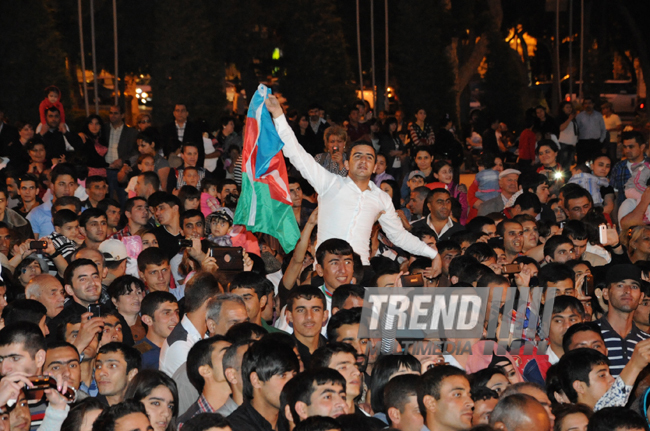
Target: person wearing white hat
{"points": [[116, 260], [509, 185]]}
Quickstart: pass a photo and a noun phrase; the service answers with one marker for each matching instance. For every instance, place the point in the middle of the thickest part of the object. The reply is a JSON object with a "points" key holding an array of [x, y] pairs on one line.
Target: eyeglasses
{"points": [[144, 121]]}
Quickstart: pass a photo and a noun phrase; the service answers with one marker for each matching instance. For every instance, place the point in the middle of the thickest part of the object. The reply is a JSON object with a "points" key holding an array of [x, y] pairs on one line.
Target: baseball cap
{"points": [[508, 172], [222, 213], [416, 174], [113, 250], [623, 272]]}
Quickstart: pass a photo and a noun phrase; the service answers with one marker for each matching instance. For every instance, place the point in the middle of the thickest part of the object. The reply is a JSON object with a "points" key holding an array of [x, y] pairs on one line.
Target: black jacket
{"points": [[169, 136]]}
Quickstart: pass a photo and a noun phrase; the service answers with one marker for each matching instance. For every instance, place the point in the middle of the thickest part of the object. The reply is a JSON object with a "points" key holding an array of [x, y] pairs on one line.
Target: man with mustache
{"points": [[438, 203]]}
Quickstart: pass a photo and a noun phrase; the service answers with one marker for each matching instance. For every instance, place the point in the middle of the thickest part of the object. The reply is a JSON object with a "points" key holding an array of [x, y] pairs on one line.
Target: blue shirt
{"points": [[150, 354], [41, 219], [591, 126]]}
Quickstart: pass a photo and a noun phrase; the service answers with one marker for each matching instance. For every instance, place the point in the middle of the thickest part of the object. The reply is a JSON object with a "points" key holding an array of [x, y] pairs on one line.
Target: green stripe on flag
{"points": [[271, 216]]}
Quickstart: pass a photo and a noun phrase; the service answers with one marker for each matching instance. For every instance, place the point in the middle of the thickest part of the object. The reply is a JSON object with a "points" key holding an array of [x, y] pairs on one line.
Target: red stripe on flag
{"points": [[250, 150]]}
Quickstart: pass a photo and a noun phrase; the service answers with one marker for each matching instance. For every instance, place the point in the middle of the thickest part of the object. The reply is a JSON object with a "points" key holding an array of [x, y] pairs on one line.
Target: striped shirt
{"points": [[619, 350]]}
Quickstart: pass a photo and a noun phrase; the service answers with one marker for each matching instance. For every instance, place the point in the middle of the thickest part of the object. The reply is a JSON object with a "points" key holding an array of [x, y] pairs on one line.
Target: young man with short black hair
{"points": [[22, 354], [267, 366], [567, 311], [93, 225], [621, 335], [136, 211], [28, 191], [82, 283], [444, 399], [64, 183], [254, 290], [316, 392], [401, 401], [116, 365], [199, 292], [205, 372], [159, 311], [96, 189], [166, 209], [155, 271], [307, 314], [343, 358]]}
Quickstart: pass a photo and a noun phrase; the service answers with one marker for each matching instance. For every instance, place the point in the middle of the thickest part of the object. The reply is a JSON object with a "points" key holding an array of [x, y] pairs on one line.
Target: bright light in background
{"points": [[138, 90], [515, 44], [276, 54]]}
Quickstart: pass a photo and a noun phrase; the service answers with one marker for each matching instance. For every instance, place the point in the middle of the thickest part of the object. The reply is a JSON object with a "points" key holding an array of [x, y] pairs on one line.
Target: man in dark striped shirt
{"points": [[621, 335]]}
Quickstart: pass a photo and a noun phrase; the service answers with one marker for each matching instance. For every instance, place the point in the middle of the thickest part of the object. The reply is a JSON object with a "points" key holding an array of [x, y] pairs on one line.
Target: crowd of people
{"points": [[131, 301]]}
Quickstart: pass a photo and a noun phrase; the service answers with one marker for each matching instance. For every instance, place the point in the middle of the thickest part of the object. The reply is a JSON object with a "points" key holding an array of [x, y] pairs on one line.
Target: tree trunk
{"points": [[462, 75], [644, 59]]}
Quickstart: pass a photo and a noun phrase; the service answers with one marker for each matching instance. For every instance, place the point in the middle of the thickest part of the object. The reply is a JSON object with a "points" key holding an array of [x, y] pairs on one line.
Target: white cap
{"points": [[113, 250], [508, 172]]}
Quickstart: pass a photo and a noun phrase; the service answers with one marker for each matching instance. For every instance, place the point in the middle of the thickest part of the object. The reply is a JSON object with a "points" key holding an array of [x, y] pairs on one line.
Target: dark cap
{"points": [[623, 272]]}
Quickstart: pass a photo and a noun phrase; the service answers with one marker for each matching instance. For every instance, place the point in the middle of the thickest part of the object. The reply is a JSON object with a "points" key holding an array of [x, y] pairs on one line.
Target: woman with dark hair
{"points": [[392, 147], [82, 415], [16, 150], [159, 395], [126, 293], [491, 378], [93, 146], [392, 189], [443, 172], [547, 152], [386, 368]]}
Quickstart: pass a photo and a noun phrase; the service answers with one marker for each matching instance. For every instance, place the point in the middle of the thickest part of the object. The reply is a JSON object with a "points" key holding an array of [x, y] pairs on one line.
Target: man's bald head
{"points": [[47, 290], [519, 412], [87, 253]]}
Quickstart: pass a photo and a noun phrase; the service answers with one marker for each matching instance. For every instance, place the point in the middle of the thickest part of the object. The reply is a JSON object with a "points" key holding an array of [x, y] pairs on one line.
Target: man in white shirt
{"points": [[199, 292], [349, 206]]}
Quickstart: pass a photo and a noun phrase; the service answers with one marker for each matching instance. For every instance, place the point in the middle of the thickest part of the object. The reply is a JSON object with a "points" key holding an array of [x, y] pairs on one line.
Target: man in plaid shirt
{"points": [[137, 213], [634, 145]]}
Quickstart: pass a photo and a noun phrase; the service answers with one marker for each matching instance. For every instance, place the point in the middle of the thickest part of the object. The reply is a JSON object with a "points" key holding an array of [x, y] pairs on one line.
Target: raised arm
{"points": [[319, 177], [294, 268], [394, 230]]}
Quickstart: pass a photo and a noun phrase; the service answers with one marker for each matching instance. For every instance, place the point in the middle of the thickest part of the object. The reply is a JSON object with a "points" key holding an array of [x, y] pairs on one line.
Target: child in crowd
{"points": [[190, 198], [191, 177], [416, 179], [444, 173], [146, 163], [582, 176], [209, 201], [488, 180], [52, 98], [380, 170], [219, 227]]}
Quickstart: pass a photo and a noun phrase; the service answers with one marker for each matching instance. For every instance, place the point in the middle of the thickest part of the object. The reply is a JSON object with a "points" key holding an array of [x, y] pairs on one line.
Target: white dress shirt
{"points": [[172, 357], [113, 143], [345, 211]]}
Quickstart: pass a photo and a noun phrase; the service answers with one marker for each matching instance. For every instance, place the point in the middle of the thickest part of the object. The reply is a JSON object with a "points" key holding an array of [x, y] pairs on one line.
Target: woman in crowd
{"points": [[421, 131], [159, 395], [82, 415], [334, 157], [392, 147], [547, 152], [93, 145], [444, 173], [126, 293]]}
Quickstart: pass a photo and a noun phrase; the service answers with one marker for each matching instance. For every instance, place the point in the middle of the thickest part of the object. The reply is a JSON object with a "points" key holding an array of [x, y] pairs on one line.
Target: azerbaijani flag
{"points": [[265, 201]]}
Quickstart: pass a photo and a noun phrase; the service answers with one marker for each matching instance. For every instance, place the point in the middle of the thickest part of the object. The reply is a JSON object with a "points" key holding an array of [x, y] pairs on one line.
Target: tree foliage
{"points": [[421, 64], [316, 67], [187, 67], [505, 82], [31, 58]]}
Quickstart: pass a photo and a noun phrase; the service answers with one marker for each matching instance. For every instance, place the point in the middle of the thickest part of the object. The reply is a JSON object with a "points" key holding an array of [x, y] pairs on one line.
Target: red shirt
{"points": [[527, 142]]}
